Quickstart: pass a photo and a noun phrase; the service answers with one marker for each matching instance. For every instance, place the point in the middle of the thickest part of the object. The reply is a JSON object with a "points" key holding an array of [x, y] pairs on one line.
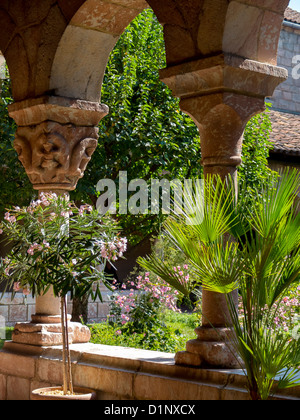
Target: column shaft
{"points": [[220, 94]]}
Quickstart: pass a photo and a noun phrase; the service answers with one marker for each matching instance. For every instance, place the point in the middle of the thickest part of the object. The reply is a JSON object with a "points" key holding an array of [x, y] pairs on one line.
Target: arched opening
{"points": [[89, 38], [224, 72], [89, 31], [145, 133]]}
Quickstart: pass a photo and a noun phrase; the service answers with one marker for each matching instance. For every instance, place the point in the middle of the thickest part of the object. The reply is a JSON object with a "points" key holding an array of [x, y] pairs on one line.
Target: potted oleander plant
{"points": [[55, 244], [255, 249]]}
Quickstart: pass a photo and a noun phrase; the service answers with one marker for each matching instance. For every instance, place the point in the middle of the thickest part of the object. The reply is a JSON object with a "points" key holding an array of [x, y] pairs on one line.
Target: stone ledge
{"points": [[125, 373]]}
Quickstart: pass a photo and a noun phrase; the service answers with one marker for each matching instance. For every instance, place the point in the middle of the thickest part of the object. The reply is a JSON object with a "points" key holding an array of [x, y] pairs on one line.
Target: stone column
{"points": [[220, 94], [55, 140]]}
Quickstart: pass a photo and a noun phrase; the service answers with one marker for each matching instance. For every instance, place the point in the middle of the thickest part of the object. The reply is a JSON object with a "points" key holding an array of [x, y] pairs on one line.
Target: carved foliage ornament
{"points": [[54, 155]]}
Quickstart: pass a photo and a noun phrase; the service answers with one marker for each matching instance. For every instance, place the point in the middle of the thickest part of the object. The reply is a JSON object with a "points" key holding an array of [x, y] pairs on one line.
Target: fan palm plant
{"points": [[255, 250]]}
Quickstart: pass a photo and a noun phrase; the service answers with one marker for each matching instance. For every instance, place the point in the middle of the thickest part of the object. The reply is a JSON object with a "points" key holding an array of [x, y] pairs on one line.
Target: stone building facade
{"points": [[286, 97], [21, 308], [285, 114]]}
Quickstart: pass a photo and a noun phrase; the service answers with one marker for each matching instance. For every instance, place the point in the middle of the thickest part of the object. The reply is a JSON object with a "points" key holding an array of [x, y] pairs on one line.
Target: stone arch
{"points": [[83, 52], [30, 33], [61, 47], [193, 30]]}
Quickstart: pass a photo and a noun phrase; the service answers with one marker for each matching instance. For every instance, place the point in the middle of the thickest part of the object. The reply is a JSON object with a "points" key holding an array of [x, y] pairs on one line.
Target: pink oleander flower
{"points": [[112, 246], [104, 252], [85, 208], [66, 213], [26, 291], [9, 218], [33, 248], [16, 287]]}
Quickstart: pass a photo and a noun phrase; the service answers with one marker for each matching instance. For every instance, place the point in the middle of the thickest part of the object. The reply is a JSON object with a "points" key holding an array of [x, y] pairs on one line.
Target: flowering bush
{"points": [[158, 294], [287, 312], [56, 243], [137, 311]]}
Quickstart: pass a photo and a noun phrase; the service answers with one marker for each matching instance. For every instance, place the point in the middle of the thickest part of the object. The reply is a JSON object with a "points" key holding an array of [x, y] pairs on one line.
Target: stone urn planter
{"points": [[56, 393]]}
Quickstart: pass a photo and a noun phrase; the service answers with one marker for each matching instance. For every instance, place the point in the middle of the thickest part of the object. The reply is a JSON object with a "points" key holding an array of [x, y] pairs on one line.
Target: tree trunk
{"points": [[67, 374], [80, 309]]}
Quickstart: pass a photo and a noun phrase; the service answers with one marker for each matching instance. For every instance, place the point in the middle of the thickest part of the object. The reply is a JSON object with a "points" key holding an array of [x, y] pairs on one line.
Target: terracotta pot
{"points": [[81, 394]]}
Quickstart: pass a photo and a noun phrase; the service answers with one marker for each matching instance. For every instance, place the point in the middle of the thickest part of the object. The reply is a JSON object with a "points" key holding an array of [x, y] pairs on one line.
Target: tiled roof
{"points": [[285, 133], [292, 15]]}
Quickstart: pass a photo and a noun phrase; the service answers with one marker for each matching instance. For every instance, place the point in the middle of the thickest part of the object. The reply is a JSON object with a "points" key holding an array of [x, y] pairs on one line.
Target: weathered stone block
{"points": [[18, 389], [104, 16], [179, 44], [103, 310], [242, 27], [69, 7], [17, 313], [93, 310], [3, 387], [211, 26], [16, 364], [133, 4], [78, 45], [107, 380], [4, 311], [268, 38], [274, 5], [50, 371]]}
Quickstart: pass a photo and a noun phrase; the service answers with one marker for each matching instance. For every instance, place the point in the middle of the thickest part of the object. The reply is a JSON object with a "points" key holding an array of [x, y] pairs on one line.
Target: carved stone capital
{"points": [[223, 73], [54, 155], [221, 94], [58, 109], [55, 139]]}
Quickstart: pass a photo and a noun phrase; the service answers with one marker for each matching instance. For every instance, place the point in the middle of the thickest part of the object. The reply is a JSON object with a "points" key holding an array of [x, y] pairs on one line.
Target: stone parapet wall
{"points": [[118, 373], [20, 308]]}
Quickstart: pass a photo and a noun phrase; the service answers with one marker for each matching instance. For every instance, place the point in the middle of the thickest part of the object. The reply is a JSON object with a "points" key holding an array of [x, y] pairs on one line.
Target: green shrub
{"points": [[168, 334]]}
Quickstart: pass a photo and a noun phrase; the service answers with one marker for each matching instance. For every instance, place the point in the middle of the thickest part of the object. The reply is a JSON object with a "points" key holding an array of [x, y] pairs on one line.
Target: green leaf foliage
{"points": [[261, 258], [15, 186], [145, 132]]}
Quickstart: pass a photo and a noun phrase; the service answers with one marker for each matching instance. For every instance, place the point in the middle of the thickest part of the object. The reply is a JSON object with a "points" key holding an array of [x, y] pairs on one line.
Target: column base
{"points": [[46, 331], [212, 349]]}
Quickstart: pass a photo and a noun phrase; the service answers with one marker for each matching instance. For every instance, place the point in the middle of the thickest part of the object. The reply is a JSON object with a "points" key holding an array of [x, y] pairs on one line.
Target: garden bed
{"points": [[170, 336]]}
